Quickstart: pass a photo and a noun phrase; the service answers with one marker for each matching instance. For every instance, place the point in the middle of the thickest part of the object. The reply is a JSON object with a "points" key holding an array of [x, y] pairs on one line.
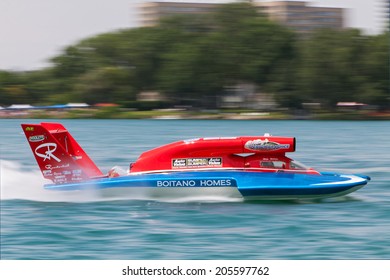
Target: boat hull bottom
{"points": [[177, 194], [170, 194], [303, 196]]}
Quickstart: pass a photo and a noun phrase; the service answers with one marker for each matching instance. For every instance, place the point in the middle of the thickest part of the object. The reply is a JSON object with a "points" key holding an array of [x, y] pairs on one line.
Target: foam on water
{"points": [[18, 182]]}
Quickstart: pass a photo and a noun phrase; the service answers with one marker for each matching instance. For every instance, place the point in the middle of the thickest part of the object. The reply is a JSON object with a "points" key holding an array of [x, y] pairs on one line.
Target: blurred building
{"points": [[301, 17], [152, 12], [248, 96], [297, 15]]}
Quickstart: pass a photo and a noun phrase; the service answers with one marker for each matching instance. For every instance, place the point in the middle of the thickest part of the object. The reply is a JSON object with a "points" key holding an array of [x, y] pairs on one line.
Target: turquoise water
{"points": [[39, 224]]}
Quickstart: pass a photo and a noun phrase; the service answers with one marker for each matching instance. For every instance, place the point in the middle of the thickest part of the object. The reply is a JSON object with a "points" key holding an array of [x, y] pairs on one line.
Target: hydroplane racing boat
{"points": [[249, 167]]}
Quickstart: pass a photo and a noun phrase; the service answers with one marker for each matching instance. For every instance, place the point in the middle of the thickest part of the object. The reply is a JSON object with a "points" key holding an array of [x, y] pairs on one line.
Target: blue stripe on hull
{"points": [[291, 191]]}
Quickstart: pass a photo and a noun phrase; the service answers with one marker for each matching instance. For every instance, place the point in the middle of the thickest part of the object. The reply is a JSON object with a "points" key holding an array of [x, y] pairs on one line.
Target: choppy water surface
{"points": [[39, 224]]}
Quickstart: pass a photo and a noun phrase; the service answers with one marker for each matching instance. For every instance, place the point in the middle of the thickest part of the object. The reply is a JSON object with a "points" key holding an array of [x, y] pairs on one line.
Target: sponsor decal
{"points": [[60, 179], [180, 162], [76, 179], [36, 138], [29, 128], [197, 183], [176, 183], [196, 162], [215, 161], [47, 173], [46, 151], [50, 167], [265, 145]]}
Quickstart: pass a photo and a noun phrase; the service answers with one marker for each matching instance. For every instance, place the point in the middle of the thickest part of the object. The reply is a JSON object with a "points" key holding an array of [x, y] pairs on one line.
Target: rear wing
{"points": [[59, 156]]}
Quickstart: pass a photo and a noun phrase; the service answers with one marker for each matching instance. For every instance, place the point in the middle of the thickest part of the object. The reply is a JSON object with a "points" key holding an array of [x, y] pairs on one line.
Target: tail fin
{"points": [[59, 156]]}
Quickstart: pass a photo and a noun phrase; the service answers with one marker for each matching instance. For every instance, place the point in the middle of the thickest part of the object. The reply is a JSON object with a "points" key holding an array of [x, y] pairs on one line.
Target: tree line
{"points": [[191, 60]]}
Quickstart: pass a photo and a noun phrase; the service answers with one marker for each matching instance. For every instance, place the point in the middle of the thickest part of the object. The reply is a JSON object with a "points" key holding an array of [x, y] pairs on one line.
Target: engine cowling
{"points": [[215, 152]]}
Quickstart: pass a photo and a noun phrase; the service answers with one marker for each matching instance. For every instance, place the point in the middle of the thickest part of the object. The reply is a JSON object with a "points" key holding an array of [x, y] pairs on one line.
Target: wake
{"points": [[18, 182]]}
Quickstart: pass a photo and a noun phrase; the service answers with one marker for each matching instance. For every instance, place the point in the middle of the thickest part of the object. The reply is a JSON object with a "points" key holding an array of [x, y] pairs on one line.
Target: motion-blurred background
{"points": [[258, 59]]}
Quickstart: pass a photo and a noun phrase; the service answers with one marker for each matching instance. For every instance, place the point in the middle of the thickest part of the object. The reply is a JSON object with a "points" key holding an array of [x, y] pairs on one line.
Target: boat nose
{"points": [[368, 178]]}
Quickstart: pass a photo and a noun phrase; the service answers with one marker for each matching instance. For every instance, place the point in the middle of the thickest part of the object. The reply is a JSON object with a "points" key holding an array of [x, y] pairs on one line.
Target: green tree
{"points": [[331, 68], [376, 89], [6, 79], [242, 46], [104, 85], [191, 74]]}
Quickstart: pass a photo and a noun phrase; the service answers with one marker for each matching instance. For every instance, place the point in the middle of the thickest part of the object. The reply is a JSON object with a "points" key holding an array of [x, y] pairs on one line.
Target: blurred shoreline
{"points": [[118, 113], [233, 61]]}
